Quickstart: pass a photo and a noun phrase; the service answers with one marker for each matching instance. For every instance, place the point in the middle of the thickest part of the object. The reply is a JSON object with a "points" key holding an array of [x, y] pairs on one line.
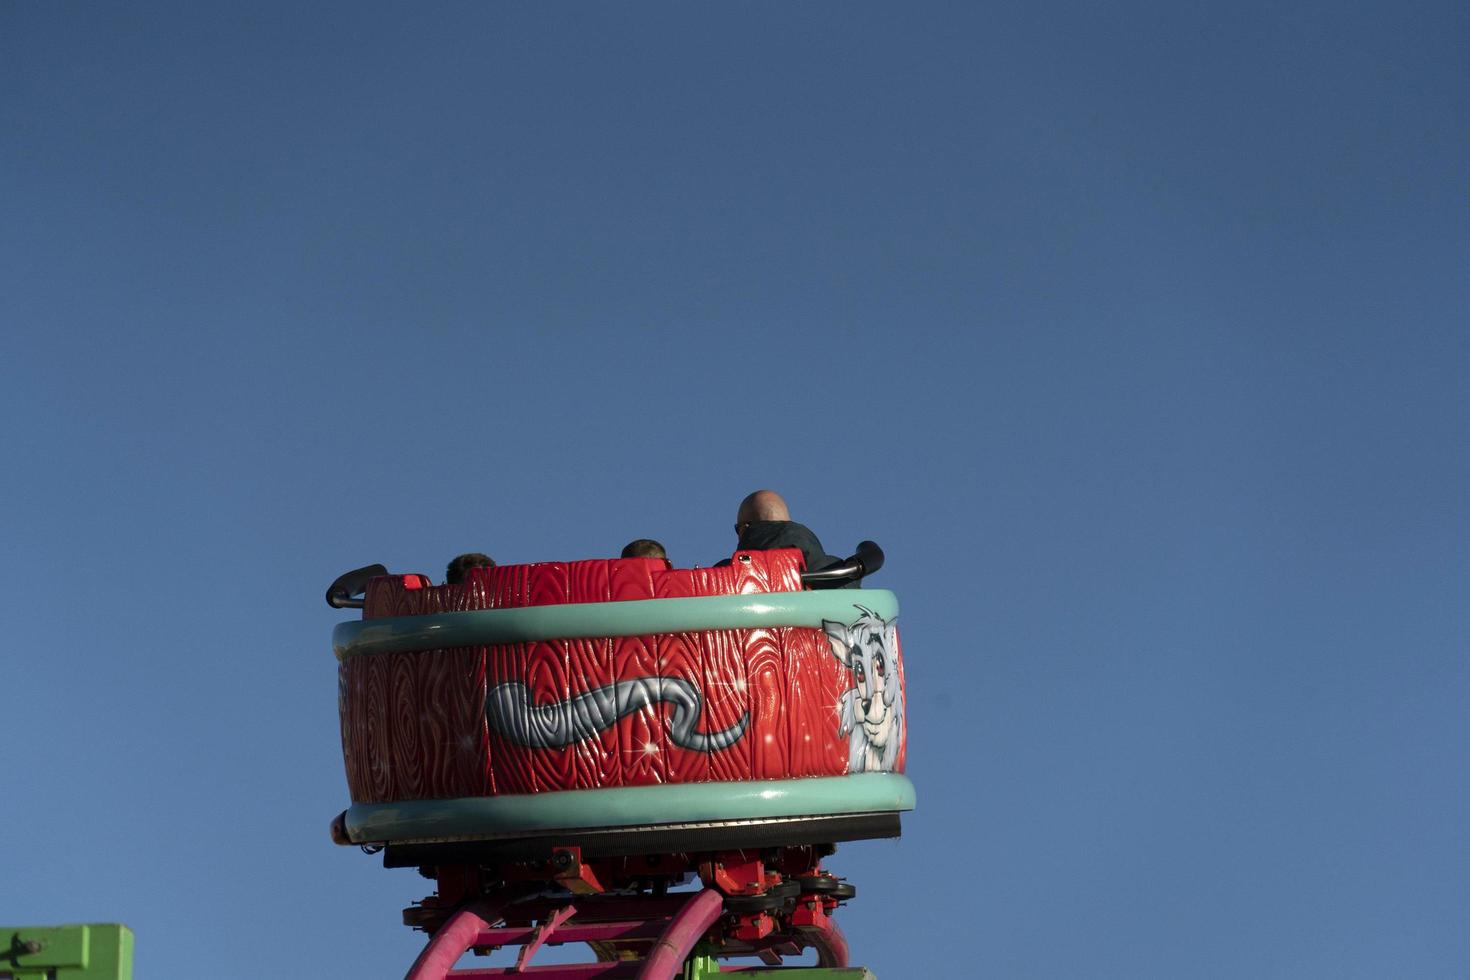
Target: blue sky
{"points": [[1136, 334]]}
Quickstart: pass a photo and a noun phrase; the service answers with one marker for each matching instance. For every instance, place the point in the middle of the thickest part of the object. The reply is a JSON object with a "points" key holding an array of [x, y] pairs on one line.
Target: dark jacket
{"points": [[769, 535]]}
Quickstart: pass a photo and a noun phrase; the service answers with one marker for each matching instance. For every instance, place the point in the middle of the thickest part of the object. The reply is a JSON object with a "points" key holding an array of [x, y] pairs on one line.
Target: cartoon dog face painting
{"points": [[871, 711]]}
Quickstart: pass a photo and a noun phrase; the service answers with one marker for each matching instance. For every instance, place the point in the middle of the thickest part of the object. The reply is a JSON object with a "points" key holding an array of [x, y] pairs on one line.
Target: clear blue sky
{"points": [[1137, 334]]}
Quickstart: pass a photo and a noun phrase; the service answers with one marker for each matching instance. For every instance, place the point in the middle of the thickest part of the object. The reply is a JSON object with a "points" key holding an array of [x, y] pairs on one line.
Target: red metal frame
{"points": [[748, 907]]}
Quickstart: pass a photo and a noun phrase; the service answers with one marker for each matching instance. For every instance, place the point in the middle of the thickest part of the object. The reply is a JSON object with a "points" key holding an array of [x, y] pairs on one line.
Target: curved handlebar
{"points": [[865, 561], [340, 594]]}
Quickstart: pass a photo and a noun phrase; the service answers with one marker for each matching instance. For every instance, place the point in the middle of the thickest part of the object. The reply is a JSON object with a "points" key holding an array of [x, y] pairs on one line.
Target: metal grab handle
{"points": [[340, 594], [865, 561]]}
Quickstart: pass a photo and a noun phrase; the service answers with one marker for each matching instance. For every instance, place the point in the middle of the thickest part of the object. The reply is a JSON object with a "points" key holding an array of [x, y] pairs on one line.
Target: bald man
{"points": [[764, 522]]}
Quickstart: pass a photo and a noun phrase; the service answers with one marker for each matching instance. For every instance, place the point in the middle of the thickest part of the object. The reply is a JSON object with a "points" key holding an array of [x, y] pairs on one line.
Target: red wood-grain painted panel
{"points": [[513, 772], [380, 598], [404, 703], [717, 581], [452, 728], [408, 602], [784, 568], [512, 586], [596, 760], [643, 749], [813, 677], [377, 723], [549, 584], [546, 673], [357, 693], [344, 721], [356, 739], [364, 719], [437, 599], [679, 657], [588, 581], [768, 725], [676, 583], [703, 580], [749, 568], [727, 701], [631, 578], [477, 592], [413, 602]]}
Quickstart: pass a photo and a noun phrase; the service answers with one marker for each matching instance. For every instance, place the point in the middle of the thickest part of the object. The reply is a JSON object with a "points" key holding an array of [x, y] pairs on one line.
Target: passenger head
{"points": [[763, 505], [644, 548], [454, 574]]}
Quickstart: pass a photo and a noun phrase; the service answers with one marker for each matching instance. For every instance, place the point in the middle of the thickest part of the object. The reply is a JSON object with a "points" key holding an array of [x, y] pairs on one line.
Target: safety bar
{"points": [[349, 591], [865, 561]]}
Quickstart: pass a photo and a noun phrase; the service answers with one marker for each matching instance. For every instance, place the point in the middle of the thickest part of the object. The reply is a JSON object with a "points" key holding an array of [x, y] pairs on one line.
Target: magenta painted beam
{"points": [[591, 932], [610, 970], [450, 942], [456, 936], [831, 946], [678, 940]]}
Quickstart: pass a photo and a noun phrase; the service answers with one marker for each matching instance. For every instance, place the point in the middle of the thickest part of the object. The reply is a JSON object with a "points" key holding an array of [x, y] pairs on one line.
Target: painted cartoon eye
{"points": [[878, 667], [859, 674]]}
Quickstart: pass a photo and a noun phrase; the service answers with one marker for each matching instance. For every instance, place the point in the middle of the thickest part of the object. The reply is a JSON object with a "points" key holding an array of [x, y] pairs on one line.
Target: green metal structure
{"points": [[699, 967], [80, 952]]}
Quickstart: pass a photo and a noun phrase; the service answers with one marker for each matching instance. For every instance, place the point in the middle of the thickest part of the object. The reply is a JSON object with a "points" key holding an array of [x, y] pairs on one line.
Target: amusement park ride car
{"points": [[561, 747]]}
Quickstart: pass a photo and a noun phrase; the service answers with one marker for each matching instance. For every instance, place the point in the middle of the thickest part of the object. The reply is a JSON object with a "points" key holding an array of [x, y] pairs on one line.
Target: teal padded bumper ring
{"points": [[530, 814]]}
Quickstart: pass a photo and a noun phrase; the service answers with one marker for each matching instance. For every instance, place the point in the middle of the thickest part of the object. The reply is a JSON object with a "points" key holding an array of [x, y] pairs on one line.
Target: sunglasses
{"points": [[741, 527]]}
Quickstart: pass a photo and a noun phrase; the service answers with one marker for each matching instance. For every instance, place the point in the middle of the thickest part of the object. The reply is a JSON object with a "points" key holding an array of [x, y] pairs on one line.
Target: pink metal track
{"points": [[678, 940], [452, 940], [674, 939]]}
